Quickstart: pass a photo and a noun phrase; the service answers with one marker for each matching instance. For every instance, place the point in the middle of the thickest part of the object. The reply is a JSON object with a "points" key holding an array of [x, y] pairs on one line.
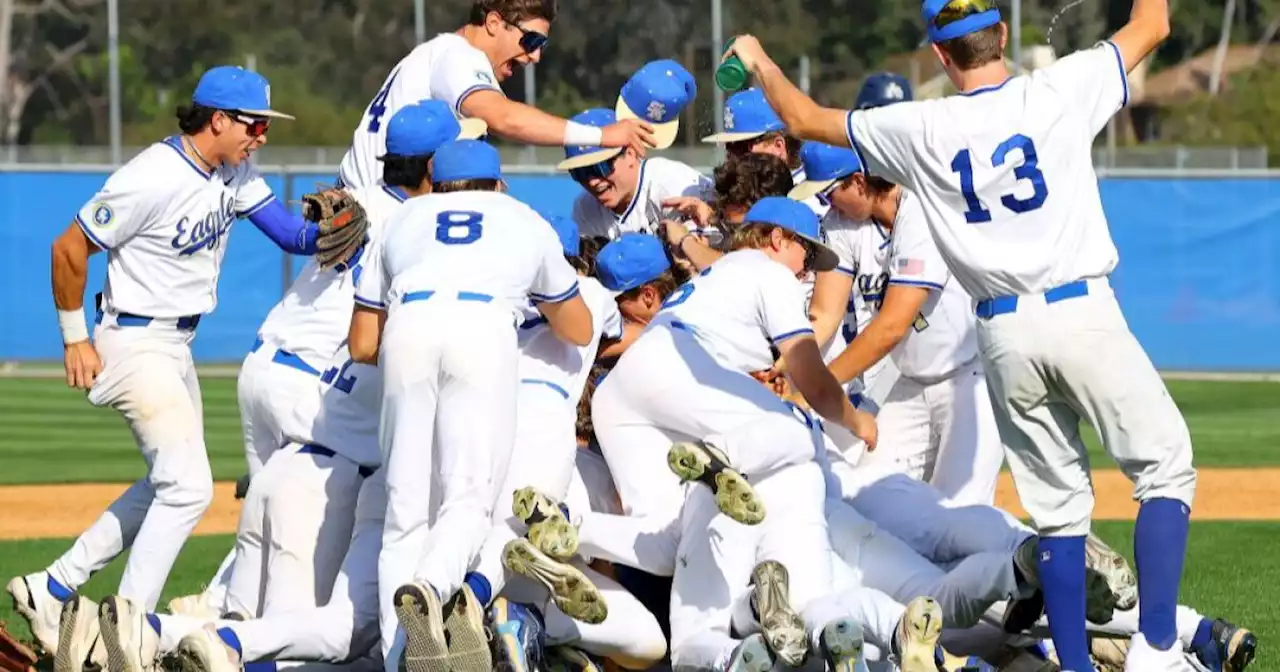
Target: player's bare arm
{"points": [[805, 119], [70, 265], [831, 290], [1148, 26], [689, 244], [613, 349], [570, 320], [890, 325], [516, 121], [365, 334], [825, 396]]}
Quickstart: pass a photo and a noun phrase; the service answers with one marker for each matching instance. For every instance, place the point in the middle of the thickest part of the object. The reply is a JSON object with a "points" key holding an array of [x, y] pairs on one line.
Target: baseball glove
{"points": [[343, 225], [14, 655]]}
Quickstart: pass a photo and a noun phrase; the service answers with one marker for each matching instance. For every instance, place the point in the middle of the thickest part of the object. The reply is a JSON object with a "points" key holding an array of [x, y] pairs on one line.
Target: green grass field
{"points": [[53, 436]]}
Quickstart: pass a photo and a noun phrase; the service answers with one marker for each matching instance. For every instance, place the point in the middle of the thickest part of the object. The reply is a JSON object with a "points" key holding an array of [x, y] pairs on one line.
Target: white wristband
{"points": [[582, 135], [72, 324]]}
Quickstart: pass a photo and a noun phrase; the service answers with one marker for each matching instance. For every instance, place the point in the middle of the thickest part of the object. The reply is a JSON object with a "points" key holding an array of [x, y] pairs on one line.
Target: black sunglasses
{"points": [[530, 40], [600, 170]]}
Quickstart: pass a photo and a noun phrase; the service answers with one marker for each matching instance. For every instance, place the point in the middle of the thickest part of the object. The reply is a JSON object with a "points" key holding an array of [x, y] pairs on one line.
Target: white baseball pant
{"points": [[447, 431], [1050, 366], [943, 433], [270, 383], [295, 527], [718, 554], [149, 377]]}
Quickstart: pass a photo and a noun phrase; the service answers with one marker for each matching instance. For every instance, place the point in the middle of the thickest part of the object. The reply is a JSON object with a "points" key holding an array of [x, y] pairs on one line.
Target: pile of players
{"points": [[730, 422]]}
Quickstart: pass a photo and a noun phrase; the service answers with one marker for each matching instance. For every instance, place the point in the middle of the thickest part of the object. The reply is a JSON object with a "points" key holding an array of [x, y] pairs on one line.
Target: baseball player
{"points": [[464, 70], [752, 127], [449, 283], [163, 219], [936, 423], [1007, 183], [882, 88]]}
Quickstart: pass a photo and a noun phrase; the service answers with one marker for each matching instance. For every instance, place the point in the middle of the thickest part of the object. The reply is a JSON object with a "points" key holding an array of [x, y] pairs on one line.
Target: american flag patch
{"points": [[911, 266]]}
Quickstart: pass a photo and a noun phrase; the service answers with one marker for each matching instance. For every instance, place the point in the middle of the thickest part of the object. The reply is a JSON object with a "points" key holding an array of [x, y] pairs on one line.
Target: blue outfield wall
{"points": [[1199, 273]]}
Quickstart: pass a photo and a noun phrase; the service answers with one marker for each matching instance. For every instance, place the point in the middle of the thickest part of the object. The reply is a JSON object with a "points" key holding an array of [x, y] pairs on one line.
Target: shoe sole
{"points": [[69, 658], [192, 658], [1100, 600], [551, 532], [752, 655], [1240, 651], [468, 645], [1120, 577], [571, 590], [842, 645], [118, 636], [919, 641], [783, 629], [425, 648], [735, 497]]}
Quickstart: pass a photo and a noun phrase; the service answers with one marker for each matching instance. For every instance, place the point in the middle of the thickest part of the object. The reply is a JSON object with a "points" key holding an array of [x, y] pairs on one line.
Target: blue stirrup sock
{"points": [[1160, 547], [1061, 568], [479, 585]]}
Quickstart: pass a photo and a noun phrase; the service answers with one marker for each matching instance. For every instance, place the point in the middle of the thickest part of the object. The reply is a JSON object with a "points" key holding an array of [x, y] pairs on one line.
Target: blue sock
{"points": [[1204, 633], [1159, 547], [261, 666], [480, 586], [228, 637], [1061, 567], [59, 592], [154, 621]]}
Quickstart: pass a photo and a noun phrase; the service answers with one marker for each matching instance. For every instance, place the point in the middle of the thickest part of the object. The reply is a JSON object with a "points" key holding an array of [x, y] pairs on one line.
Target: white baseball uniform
{"points": [[817, 203], [936, 422], [164, 223], [454, 274], [1006, 180], [659, 180], [445, 68]]}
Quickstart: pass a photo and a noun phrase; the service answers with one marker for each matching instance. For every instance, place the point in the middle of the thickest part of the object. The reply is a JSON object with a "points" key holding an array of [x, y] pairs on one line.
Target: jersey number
{"points": [[378, 108], [459, 227], [340, 379], [1027, 170]]}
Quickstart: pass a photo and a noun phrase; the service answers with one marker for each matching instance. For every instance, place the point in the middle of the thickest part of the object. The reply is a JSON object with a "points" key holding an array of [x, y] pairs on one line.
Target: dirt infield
{"points": [[50, 511]]}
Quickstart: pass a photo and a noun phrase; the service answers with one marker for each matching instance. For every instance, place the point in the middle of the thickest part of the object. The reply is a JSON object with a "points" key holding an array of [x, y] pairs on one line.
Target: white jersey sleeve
{"points": [[252, 192], [913, 256], [782, 304], [130, 200], [556, 280], [844, 238], [1093, 82], [373, 285], [882, 137], [592, 218], [462, 71]]}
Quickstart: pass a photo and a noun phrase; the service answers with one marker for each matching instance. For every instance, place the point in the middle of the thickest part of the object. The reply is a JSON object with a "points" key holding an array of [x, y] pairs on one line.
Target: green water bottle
{"points": [[732, 74]]}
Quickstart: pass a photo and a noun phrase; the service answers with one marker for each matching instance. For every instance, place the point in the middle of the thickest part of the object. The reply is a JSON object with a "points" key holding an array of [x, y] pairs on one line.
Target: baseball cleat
{"points": [[548, 521], [132, 644], [204, 651], [917, 637], [707, 465], [520, 636], [841, 645], [1230, 648], [1108, 654], [1100, 601], [571, 590], [77, 634], [464, 631], [566, 658], [419, 612], [752, 655], [195, 606], [783, 629], [33, 601], [1114, 568]]}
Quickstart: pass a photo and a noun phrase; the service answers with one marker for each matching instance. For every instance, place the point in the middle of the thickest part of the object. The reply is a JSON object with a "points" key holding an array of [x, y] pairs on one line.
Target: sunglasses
{"points": [[600, 170], [530, 40], [254, 126], [960, 9]]}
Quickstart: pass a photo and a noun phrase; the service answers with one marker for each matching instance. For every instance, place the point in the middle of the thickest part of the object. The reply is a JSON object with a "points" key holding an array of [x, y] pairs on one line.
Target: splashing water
{"points": [[1048, 35]]}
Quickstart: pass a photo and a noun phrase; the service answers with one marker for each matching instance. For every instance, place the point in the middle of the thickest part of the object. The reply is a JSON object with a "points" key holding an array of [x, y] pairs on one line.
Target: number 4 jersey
{"points": [[478, 245], [1005, 172]]}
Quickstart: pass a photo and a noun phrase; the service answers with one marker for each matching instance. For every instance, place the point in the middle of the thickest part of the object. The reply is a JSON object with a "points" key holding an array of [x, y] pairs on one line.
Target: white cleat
{"points": [[841, 645], [195, 606], [33, 601], [1146, 658], [132, 644], [917, 636], [77, 634], [783, 629], [204, 651]]}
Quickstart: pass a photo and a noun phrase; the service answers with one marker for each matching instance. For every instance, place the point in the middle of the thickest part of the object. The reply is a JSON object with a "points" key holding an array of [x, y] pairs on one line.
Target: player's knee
{"points": [[193, 490], [1172, 477]]}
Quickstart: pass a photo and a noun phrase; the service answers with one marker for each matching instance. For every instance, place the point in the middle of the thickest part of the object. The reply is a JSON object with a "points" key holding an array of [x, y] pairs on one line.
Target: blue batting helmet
{"points": [[883, 88]]}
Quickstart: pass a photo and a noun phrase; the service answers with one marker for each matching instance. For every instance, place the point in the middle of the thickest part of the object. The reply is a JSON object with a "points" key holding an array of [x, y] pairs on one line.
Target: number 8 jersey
{"points": [[470, 245], [1005, 172]]}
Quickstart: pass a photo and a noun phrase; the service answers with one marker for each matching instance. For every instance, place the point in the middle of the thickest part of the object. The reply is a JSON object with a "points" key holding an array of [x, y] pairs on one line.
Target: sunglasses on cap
{"points": [[530, 40], [254, 126], [600, 170], [960, 9]]}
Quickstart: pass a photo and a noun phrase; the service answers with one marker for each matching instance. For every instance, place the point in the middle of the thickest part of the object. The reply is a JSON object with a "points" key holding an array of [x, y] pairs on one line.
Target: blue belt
{"points": [[185, 323], [287, 358], [538, 381], [677, 324], [462, 296], [989, 308], [317, 449]]}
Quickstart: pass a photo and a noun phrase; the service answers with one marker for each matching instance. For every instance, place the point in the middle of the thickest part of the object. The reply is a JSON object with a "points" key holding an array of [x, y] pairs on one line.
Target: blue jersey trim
{"points": [[89, 234], [986, 89], [853, 142], [792, 334], [470, 90], [258, 206], [915, 283], [847, 271], [376, 305], [173, 142], [638, 196], [1124, 76], [558, 298]]}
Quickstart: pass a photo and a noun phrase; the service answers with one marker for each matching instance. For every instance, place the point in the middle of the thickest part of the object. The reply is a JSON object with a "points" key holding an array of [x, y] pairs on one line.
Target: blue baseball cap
{"points": [[948, 19], [581, 156], [658, 93], [466, 160], [631, 261], [883, 88], [419, 129], [800, 220], [747, 115], [566, 229], [824, 165], [231, 87]]}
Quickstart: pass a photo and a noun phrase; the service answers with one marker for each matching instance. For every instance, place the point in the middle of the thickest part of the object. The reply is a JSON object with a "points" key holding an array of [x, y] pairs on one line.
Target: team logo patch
{"points": [[484, 76], [656, 111], [103, 215], [728, 119], [894, 91]]}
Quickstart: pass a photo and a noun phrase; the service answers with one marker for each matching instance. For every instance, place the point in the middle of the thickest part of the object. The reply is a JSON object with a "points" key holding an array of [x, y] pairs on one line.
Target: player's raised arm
{"points": [[805, 119], [1148, 26], [517, 121]]}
